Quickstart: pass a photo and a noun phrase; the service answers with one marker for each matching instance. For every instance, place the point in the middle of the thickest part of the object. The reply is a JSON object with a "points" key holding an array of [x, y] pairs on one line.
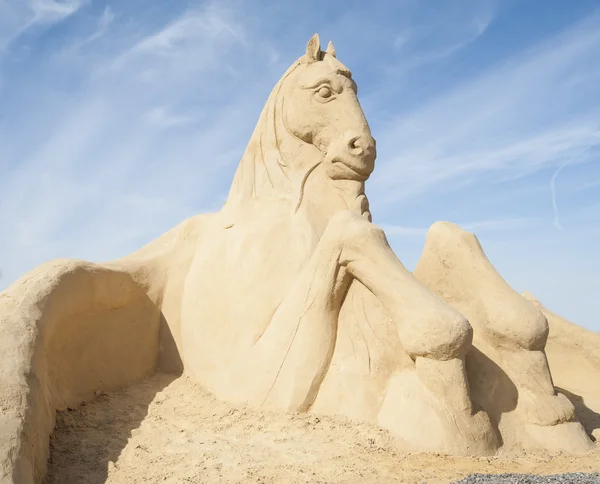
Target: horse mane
{"points": [[264, 172]]}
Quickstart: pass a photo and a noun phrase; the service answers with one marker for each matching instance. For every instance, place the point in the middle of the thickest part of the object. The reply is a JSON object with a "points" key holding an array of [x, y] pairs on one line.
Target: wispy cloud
{"points": [[481, 226], [494, 225], [426, 167], [72, 181], [50, 11], [204, 28], [102, 27], [19, 16], [588, 184], [161, 116], [120, 121], [441, 34], [502, 124], [403, 231]]}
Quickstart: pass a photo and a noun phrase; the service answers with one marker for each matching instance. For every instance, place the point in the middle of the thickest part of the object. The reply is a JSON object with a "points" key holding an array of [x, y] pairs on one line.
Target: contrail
{"points": [[556, 221]]}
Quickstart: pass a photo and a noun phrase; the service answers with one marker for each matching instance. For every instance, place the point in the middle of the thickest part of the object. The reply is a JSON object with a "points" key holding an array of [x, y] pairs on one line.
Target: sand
{"points": [[170, 430]]}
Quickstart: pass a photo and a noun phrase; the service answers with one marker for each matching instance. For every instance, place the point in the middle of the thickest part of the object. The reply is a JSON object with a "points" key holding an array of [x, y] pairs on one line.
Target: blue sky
{"points": [[119, 120]]}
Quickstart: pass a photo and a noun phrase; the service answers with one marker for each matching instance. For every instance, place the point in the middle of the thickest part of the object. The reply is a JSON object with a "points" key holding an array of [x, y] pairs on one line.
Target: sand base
{"points": [[170, 430]]}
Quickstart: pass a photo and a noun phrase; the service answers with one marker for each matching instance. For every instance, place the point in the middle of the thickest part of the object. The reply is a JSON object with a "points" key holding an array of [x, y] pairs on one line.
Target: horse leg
{"points": [[436, 336], [508, 328], [285, 367], [300, 338]]}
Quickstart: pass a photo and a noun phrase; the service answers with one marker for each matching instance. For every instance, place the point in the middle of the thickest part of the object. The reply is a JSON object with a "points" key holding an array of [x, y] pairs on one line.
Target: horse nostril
{"points": [[355, 145], [361, 146]]}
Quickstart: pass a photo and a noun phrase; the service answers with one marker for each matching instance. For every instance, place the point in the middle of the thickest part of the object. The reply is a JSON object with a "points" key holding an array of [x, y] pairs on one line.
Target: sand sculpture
{"points": [[289, 298]]}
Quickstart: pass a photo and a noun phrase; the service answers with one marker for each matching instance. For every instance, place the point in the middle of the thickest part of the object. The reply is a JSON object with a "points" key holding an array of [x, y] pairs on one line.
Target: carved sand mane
{"points": [[289, 298]]}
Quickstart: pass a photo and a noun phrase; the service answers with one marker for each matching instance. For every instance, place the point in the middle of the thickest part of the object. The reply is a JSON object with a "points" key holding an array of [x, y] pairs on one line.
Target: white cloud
{"points": [[104, 176], [102, 27], [481, 226], [139, 121], [588, 184], [441, 163], [161, 116], [447, 30], [19, 16], [202, 28], [514, 120], [497, 225], [393, 230], [50, 11]]}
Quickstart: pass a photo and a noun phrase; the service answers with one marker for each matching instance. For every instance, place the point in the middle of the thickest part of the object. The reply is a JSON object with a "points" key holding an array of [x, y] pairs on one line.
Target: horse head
{"points": [[312, 118]]}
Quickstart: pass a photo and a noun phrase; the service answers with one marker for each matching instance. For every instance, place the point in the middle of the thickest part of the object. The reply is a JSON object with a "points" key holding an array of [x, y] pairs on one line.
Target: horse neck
{"points": [[324, 197]]}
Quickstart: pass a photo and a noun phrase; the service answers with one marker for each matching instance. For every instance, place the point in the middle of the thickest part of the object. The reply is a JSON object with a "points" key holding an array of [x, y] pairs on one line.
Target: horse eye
{"points": [[325, 92]]}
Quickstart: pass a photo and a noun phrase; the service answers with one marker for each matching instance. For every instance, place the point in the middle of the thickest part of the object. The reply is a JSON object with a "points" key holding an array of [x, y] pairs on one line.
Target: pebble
{"points": [[574, 477]]}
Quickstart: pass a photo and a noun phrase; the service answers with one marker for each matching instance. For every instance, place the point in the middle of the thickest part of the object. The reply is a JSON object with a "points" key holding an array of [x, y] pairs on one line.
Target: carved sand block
{"points": [[289, 298], [509, 330]]}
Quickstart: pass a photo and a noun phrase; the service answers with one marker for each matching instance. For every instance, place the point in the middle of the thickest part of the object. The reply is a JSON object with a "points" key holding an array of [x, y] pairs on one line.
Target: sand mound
{"points": [[574, 358], [172, 431], [168, 429]]}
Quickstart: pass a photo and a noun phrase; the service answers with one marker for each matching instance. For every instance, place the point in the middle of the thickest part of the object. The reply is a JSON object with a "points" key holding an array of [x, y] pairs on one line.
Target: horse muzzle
{"points": [[351, 157]]}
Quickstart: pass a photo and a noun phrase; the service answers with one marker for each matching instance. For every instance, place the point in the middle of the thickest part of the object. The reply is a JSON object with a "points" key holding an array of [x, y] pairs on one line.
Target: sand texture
{"points": [[171, 430]]}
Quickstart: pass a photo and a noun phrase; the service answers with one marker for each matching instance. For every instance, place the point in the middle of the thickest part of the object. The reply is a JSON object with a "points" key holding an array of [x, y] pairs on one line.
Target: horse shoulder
{"points": [[240, 275], [164, 260]]}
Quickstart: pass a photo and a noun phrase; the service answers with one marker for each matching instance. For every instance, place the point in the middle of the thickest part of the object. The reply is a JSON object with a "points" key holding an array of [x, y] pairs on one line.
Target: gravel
{"points": [[575, 477]]}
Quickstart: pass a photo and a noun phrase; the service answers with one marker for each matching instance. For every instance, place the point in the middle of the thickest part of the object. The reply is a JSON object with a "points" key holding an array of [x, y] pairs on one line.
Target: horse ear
{"points": [[313, 48], [330, 49]]}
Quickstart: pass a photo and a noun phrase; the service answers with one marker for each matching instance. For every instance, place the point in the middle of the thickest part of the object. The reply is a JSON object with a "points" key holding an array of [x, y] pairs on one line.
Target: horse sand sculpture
{"points": [[289, 298]]}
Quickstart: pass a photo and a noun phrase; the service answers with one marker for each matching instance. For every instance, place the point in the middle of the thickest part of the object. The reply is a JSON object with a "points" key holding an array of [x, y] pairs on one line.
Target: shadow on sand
{"points": [[491, 388], [588, 418], [86, 439]]}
